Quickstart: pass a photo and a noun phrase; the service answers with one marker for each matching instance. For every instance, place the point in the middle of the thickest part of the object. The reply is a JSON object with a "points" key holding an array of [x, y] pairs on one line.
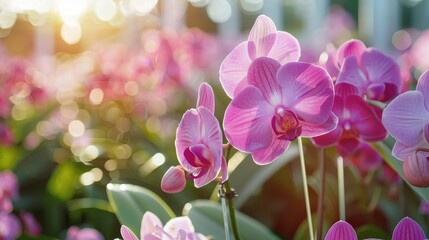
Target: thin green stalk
{"points": [[228, 195], [341, 194], [321, 202], [304, 182]]}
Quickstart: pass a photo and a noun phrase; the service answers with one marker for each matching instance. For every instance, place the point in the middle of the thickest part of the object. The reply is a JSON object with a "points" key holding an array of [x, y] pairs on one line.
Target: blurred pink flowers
{"points": [[10, 228], [8, 191], [179, 228], [280, 104], [75, 233], [264, 41]]}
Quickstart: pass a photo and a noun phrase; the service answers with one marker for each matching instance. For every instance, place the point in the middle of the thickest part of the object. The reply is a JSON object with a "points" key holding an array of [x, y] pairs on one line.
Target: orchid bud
{"points": [[416, 169], [341, 230], [173, 180], [408, 229]]}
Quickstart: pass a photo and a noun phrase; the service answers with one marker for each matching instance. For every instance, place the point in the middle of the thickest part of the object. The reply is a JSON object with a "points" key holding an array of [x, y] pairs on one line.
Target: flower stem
{"points": [[341, 195], [225, 213], [320, 204], [304, 182], [229, 194]]}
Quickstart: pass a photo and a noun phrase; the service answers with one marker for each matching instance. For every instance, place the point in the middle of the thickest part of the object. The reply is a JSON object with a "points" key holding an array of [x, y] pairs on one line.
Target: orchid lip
{"points": [[285, 124]]}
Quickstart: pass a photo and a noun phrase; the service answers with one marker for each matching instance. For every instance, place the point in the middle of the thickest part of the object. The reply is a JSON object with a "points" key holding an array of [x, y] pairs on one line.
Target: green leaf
{"points": [[208, 219], [64, 180], [385, 152], [371, 231], [130, 202]]}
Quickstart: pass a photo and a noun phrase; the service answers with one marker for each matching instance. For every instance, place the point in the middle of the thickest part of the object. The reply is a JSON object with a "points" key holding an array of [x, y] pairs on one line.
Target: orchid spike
{"points": [[198, 145], [281, 104], [341, 230], [264, 41]]}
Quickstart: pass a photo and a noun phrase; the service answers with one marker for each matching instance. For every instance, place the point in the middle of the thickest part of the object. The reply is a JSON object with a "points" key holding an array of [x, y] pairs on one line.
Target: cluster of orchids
{"points": [[276, 99]]}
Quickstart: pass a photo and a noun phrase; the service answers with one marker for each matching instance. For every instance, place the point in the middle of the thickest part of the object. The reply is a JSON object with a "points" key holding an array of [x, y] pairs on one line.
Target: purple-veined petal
{"points": [[233, 69], [351, 73], [328, 139], [416, 168], [211, 135], [262, 74], [308, 90], [127, 234], [408, 229], [263, 35], [341, 231], [352, 47], [247, 121], [149, 225], [423, 87], [184, 223], [348, 145], [285, 48], [270, 153], [376, 90], [405, 117], [174, 180], [365, 120], [314, 130], [381, 68], [344, 89], [208, 175], [206, 97], [188, 133], [402, 151]]}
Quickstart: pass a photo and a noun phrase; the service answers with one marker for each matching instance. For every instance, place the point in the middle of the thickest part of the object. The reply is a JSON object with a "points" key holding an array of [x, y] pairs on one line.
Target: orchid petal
{"points": [[262, 74], [352, 47], [307, 89], [224, 170], [351, 73], [211, 135], [127, 234], [184, 223], [188, 133], [207, 176], [206, 97], [341, 230], [408, 229], [149, 224], [271, 153], [364, 119], [406, 116], [329, 139], [381, 68], [344, 89], [423, 87], [285, 48], [402, 151], [174, 180], [233, 69], [247, 121], [348, 145], [263, 35], [314, 130]]}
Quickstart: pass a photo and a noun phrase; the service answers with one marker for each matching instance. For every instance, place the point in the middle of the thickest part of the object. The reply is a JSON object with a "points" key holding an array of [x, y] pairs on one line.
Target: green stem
{"points": [[320, 204], [305, 185], [341, 194]]}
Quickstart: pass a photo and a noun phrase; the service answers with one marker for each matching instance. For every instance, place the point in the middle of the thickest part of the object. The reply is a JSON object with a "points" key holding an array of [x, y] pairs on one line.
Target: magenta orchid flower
{"points": [[179, 228], [264, 41], [365, 158], [376, 75], [408, 229], [279, 105], [358, 121], [198, 144], [75, 233], [341, 230], [406, 118], [30, 224]]}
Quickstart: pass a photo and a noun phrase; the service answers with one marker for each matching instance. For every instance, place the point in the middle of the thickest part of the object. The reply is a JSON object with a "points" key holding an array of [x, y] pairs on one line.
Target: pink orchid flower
{"points": [[264, 41], [199, 142], [8, 191], [179, 228], [279, 105], [341, 230], [75, 233], [358, 121], [376, 75], [408, 229], [406, 118]]}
